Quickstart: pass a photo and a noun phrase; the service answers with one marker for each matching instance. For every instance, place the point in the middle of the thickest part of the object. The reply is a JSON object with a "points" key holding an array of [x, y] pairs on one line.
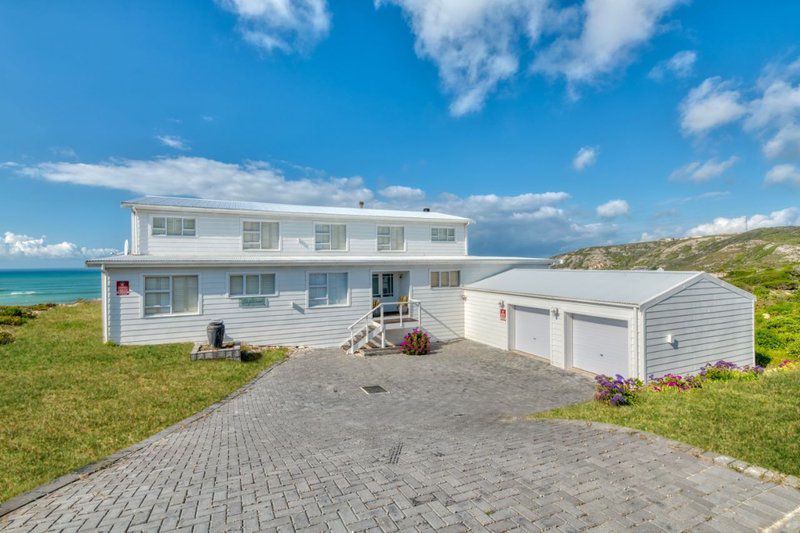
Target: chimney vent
{"points": [[361, 204], [426, 209]]}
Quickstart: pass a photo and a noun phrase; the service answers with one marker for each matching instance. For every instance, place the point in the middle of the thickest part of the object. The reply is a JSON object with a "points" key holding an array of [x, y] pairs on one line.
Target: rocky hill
{"points": [[755, 249]]}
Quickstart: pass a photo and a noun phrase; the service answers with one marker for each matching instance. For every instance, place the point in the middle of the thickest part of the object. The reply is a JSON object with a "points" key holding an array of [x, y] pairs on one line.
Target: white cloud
{"points": [[586, 157], [402, 193], [703, 171], [611, 31], [681, 65], [613, 208], [18, 245], [478, 44], [720, 226], [710, 105], [474, 44], [285, 25], [784, 143], [785, 173], [173, 141], [198, 176]]}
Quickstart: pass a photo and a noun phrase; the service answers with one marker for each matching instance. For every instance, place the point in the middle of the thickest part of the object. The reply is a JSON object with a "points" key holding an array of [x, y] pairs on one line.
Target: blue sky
{"points": [[553, 124]]}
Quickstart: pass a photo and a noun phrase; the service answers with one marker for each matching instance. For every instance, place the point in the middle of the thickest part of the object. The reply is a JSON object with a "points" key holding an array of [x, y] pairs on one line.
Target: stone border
{"points": [[711, 457], [21, 500]]}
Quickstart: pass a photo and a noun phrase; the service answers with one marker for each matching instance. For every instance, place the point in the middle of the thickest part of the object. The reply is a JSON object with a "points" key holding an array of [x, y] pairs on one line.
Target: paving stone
{"points": [[447, 448]]}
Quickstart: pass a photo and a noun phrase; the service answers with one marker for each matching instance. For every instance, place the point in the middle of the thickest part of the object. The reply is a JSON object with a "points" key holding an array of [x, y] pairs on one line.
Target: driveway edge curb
{"points": [[710, 457], [21, 500]]}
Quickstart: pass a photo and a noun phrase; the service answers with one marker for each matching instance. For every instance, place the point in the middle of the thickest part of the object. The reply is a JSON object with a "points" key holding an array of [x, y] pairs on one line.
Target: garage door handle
{"points": [[601, 355]]}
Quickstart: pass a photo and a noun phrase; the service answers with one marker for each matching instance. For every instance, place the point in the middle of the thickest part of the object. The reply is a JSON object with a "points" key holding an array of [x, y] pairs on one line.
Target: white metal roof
{"points": [[167, 202], [629, 287], [298, 260]]}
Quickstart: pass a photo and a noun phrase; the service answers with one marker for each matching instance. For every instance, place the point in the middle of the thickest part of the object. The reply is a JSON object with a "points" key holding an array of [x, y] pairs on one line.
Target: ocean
{"points": [[27, 287]]}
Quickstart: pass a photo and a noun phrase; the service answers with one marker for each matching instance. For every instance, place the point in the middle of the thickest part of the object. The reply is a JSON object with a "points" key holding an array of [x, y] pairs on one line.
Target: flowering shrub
{"points": [[416, 342], [616, 391], [674, 382], [789, 364], [726, 370]]}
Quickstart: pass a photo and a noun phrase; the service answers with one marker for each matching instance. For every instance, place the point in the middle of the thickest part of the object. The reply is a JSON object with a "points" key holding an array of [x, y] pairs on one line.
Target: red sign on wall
{"points": [[503, 315], [123, 288]]}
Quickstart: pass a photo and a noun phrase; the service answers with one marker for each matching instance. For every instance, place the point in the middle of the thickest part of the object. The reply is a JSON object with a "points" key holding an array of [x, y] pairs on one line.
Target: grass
{"points": [[67, 399], [757, 421]]}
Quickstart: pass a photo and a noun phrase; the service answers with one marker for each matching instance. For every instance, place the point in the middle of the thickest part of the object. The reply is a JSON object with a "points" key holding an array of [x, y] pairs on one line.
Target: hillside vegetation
{"points": [[765, 262], [756, 249]]}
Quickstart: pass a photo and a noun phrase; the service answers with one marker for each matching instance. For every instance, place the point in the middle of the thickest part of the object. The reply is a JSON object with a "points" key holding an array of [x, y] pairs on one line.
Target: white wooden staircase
{"points": [[369, 331]]}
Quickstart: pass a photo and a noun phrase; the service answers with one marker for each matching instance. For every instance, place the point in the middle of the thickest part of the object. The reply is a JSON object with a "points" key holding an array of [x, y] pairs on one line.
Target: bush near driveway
{"points": [[756, 420], [67, 399]]}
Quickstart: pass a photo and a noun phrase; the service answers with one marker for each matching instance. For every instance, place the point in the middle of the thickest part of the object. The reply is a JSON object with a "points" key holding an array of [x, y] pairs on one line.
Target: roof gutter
{"points": [[557, 298]]}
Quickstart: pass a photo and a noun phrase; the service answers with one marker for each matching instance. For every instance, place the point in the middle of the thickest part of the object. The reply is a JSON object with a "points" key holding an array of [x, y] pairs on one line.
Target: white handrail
{"points": [[371, 314]]}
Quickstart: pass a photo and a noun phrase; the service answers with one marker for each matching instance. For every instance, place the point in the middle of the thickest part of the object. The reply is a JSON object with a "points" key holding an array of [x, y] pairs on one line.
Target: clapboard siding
{"points": [[286, 320], [222, 234], [709, 322], [482, 321]]}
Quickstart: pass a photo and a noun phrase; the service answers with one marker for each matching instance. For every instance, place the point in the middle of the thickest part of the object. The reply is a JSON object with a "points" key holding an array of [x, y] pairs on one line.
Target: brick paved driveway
{"points": [[306, 448]]}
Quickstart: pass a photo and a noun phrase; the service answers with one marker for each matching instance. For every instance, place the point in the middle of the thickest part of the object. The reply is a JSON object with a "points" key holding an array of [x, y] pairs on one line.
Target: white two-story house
{"points": [[330, 276], [288, 275]]}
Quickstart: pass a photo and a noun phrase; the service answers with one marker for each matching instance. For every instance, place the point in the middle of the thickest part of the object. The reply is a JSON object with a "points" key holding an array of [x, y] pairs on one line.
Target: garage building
{"points": [[634, 323]]}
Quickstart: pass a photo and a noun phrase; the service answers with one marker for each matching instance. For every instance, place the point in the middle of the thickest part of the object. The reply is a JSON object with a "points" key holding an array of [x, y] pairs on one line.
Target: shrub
{"points": [[6, 337], [674, 382], [726, 371], [12, 320], [768, 339], [416, 342], [14, 311], [616, 391]]}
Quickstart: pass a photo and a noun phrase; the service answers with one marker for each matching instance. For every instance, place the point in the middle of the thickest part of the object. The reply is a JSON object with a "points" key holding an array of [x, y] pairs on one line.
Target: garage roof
{"points": [[630, 287]]}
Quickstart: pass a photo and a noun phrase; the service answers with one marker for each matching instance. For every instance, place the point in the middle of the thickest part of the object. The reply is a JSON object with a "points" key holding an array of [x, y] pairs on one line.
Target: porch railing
{"points": [[378, 323]]}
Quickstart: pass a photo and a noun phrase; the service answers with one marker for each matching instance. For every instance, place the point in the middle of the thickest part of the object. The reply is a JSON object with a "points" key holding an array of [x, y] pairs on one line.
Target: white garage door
{"points": [[532, 331], [600, 345]]}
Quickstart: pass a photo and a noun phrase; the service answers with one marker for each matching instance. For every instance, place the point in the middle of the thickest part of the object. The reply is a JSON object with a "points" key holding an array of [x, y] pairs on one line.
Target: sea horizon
{"points": [[29, 286]]}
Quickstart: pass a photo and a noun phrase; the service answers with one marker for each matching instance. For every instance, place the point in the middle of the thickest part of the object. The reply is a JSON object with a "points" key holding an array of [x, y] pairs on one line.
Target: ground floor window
{"points": [[445, 278], [251, 285], [170, 295], [327, 289]]}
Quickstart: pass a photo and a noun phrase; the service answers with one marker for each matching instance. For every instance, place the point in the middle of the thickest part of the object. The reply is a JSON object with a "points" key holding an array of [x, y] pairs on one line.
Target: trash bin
{"points": [[216, 333]]}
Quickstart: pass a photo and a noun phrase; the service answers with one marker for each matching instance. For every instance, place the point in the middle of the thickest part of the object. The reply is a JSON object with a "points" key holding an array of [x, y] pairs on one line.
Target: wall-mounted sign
{"points": [[253, 302], [123, 288], [503, 315]]}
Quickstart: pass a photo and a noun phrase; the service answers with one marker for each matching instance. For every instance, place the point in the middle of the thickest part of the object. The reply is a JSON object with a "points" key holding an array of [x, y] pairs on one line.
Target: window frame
{"points": [[170, 275], [447, 230], [381, 276], [166, 226], [439, 273], [330, 234], [348, 303], [377, 235], [244, 284], [260, 232]]}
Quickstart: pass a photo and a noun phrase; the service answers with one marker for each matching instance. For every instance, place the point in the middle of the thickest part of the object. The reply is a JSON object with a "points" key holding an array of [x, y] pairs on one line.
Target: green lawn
{"points": [[67, 400], [757, 421]]}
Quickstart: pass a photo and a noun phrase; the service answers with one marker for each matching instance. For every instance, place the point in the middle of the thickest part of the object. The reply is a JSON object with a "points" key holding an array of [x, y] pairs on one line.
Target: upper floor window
{"points": [[449, 278], [251, 285], [330, 237], [327, 289], [260, 235], [185, 227], [170, 295], [443, 235], [391, 238]]}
